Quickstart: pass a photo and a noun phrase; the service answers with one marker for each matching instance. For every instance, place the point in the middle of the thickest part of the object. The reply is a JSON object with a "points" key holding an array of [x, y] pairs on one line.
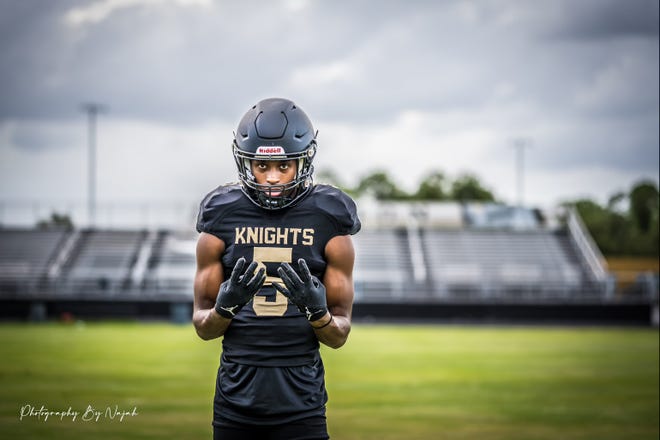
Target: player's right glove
{"points": [[304, 290], [239, 289]]}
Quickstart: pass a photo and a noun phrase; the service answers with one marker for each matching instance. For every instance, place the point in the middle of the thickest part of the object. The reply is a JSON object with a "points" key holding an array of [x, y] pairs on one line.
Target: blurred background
{"points": [[497, 149], [503, 155]]}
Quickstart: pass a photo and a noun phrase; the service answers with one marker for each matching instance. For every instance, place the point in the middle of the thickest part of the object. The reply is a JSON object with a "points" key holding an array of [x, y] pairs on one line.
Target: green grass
{"points": [[388, 382]]}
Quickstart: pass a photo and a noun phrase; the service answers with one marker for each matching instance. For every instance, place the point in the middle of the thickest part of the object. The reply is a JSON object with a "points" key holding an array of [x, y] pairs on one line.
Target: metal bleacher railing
{"points": [[591, 257]]}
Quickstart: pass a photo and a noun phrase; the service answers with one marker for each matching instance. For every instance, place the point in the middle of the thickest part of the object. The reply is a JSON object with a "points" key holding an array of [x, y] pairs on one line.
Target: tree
{"points": [[644, 204], [381, 187], [467, 188], [329, 177], [615, 201], [56, 220], [617, 232], [432, 187]]}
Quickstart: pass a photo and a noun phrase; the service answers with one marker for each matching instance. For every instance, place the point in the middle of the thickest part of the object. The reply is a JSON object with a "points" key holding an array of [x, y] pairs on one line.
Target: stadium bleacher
{"points": [[25, 255], [172, 267], [100, 264], [391, 264], [502, 264], [383, 265], [427, 262]]}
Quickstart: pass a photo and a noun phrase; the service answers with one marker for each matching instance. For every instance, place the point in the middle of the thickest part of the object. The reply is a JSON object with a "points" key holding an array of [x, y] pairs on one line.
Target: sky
{"points": [[409, 87]]}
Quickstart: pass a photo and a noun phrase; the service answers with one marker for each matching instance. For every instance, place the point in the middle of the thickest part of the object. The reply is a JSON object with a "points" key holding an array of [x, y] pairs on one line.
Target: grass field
{"points": [[388, 382]]}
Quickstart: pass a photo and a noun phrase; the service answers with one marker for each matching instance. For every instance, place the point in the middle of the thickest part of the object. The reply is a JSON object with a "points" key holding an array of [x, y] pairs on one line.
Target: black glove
{"points": [[239, 289], [305, 291]]}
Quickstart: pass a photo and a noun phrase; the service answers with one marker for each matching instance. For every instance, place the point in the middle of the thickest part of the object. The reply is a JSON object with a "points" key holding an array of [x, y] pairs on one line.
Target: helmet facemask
{"points": [[269, 196]]}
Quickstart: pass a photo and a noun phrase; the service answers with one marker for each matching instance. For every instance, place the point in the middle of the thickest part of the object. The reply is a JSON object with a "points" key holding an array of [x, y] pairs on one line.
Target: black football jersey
{"points": [[269, 331]]}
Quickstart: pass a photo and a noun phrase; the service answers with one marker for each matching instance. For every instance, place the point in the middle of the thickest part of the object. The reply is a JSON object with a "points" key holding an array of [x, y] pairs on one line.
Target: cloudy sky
{"points": [[404, 86]]}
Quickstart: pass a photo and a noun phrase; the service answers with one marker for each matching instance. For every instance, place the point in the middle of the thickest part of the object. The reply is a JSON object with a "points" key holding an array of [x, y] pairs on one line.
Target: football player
{"points": [[274, 278]]}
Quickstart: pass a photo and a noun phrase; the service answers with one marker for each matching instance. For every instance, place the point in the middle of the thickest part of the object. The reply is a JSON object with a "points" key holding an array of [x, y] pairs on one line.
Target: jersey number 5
{"points": [[271, 255]]}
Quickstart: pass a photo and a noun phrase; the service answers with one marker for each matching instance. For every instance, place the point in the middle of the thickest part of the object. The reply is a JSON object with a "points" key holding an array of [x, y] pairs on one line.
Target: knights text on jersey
{"points": [[269, 331]]}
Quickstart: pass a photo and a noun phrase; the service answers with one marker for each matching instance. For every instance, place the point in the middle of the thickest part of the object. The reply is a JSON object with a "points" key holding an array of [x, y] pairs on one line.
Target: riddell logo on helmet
{"points": [[270, 150]]}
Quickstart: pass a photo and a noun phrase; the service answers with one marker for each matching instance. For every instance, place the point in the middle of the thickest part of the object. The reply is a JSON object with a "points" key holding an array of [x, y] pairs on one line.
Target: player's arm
{"points": [[218, 301], [333, 328], [208, 278]]}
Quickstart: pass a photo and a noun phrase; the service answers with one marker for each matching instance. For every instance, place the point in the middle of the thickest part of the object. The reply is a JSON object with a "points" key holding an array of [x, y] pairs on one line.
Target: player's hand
{"points": [[305, 291], [239, 289]]}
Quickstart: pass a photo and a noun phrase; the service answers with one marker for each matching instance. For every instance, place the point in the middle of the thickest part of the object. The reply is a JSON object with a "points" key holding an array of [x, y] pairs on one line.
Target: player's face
{"points": [[274, 172]]}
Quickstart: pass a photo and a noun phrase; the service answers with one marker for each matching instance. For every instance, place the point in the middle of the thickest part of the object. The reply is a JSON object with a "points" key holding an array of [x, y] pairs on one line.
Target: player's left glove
{"points": [[239, 289], [305, 291]]}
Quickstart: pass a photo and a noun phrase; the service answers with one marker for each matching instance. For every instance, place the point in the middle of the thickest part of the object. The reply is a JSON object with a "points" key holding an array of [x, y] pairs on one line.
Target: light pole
{"points": [[92, 110], [520, 144]]}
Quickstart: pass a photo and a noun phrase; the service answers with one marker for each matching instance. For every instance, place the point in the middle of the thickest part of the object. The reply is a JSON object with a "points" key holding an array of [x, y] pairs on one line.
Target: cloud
{"points": [[96, 12], [615, 89], [136, 161], [324, 75], [33, 167], [604, 19], [190, 63], [396, 85], [37, 136]]}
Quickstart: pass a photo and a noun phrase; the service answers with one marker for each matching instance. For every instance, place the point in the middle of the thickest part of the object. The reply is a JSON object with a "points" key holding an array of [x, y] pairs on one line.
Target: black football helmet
{"points": [[275, 129]]}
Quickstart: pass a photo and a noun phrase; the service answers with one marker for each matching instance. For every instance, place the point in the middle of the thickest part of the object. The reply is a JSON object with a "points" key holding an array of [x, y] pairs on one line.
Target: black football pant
{"points": [[311, 428]]}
